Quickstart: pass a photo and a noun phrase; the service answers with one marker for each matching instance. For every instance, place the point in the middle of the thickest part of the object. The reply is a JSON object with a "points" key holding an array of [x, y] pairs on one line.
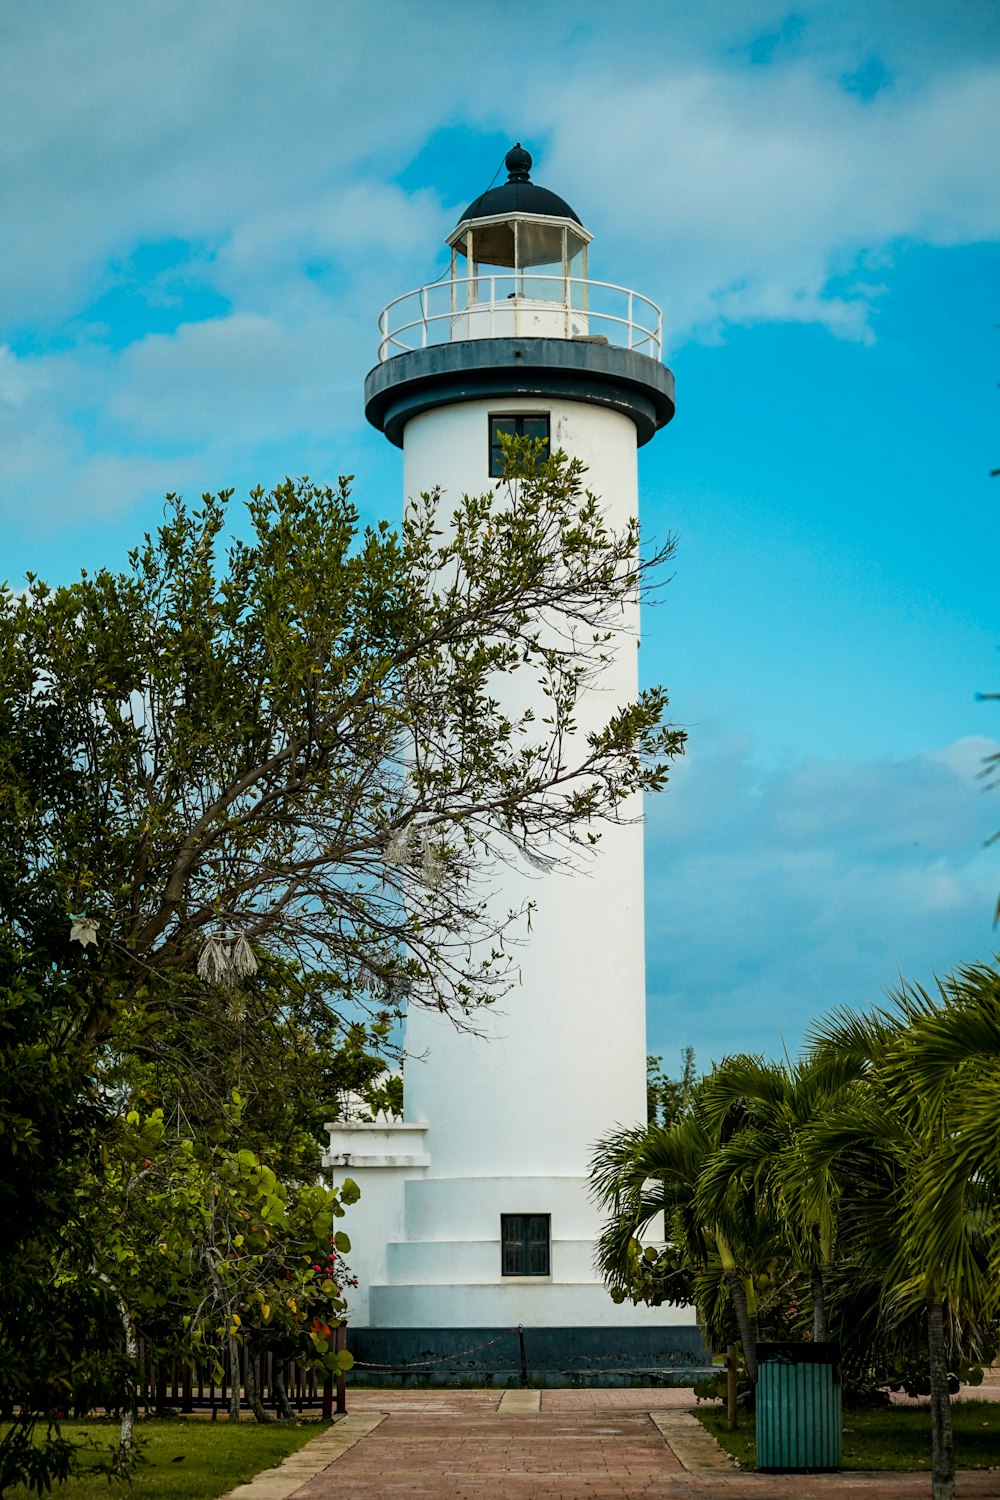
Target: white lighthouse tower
{"points": [[474, 1237]]}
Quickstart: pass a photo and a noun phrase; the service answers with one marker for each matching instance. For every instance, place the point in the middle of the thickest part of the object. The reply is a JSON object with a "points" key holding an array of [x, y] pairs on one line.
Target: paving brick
{"points": [[520, 1403], [576, 1445]]}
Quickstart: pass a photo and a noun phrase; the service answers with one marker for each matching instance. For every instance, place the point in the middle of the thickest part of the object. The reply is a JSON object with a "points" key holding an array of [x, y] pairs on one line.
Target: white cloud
{"points": [[264, 143], [776, 895], [243, 376], [121, 124], [268, 134], [755, 192]]}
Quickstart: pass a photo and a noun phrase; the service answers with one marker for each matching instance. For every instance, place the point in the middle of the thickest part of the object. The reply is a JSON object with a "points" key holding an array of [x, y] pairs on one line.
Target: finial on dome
{"points": [[518, 164], [519, 196]]}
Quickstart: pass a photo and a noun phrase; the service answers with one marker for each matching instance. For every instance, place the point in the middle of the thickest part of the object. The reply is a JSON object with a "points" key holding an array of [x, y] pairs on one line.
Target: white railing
{"points": [[519, 304]]}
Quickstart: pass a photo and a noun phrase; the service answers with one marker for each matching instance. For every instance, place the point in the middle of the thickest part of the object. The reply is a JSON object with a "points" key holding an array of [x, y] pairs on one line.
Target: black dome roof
{"points": [[519, 195]]}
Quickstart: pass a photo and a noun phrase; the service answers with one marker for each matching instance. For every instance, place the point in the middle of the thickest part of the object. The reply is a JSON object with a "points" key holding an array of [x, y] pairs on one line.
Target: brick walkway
{"points": [[577, 1445]]}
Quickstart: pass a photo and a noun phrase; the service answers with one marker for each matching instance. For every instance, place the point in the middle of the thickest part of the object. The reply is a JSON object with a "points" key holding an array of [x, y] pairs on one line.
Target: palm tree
{"points": [[761, 1110], [918, 1169], [641, 1174]]}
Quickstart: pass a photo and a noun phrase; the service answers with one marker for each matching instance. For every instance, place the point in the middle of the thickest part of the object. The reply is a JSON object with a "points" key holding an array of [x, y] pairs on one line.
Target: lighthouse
{"points": [[473, 1241]]}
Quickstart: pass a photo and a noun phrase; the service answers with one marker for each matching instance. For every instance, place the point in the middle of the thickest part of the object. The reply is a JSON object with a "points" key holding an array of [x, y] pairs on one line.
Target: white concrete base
{"points": [[427, 1252], [380, 1158], [535, 1302]]}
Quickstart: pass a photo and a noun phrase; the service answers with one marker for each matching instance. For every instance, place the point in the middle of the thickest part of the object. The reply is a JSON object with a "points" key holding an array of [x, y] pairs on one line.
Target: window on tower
{"points": [[525, 1240], [534, 425]]}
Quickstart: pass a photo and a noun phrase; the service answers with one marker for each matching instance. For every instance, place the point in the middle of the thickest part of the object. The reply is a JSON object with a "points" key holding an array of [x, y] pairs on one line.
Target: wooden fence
{"points": [[169, 1387]]}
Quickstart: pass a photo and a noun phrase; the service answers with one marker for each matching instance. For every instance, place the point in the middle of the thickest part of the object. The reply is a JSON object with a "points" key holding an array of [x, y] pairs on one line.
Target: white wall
{"points": [[511, 1115], [562, 1059], [380, 1159]]}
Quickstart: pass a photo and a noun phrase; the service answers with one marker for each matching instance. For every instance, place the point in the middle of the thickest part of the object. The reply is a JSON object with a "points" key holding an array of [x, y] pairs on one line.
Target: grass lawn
{"points": [[895, 1437], [182, 1459]]}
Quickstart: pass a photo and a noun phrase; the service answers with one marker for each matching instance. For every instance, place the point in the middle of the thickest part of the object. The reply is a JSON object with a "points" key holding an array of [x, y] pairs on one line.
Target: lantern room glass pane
{"points": [[540, 245], [495, 244], [540, 249]]}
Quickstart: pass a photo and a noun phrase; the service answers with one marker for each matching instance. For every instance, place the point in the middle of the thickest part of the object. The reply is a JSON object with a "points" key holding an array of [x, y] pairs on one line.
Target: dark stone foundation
{"points": [[553, 1357]]}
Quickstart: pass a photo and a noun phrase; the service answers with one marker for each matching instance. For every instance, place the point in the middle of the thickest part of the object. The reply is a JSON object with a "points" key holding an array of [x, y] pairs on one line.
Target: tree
{"points": [[219, 1111], [666, 1096], [290, 753], [872, 1167], [52, 1122], [918, 1175], [716, 1246], [202, 1244], [300, 746], [762, 1110]]}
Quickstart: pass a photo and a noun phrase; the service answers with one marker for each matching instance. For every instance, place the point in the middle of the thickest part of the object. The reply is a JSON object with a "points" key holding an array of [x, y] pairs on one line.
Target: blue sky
{"points": [[205, 208]]}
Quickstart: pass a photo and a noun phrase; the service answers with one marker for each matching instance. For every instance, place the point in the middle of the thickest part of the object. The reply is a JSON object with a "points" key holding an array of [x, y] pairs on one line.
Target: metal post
{"points": [[524, 1357], [731, 1387]]}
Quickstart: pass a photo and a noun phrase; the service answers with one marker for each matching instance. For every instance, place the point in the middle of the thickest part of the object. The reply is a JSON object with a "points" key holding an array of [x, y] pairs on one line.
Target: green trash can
{"points": [[798, 1408]]}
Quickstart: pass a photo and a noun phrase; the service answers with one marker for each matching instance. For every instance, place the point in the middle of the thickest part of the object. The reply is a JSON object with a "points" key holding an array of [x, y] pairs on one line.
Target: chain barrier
{"points": [[367, 1364], [596, 1365]]}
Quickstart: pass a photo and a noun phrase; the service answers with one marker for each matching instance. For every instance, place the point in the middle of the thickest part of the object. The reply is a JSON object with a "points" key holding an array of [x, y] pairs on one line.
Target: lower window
{"points": [[525, 1240]]}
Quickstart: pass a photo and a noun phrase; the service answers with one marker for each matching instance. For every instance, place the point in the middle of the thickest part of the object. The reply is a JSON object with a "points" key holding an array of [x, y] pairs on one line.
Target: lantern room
{"points": [[521, 234], [519, 261]]}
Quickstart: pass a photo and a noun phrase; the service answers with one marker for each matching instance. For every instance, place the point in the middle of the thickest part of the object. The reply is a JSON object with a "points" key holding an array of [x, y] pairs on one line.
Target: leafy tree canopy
{"points": [[297, 742]]}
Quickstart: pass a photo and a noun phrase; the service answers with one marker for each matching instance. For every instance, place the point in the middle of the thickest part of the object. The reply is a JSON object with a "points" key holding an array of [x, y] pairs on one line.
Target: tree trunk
{"points": [[748, 1334], [234, 1378], [285, 1409], [821, 1328], [127, 1429], [123, 1458], [254, 1402], [943, 1470], [226, 1311]]}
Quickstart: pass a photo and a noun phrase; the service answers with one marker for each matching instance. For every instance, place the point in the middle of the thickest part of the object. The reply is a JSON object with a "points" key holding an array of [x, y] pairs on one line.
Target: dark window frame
{"points": [[512, 424], [524, 1250]]}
